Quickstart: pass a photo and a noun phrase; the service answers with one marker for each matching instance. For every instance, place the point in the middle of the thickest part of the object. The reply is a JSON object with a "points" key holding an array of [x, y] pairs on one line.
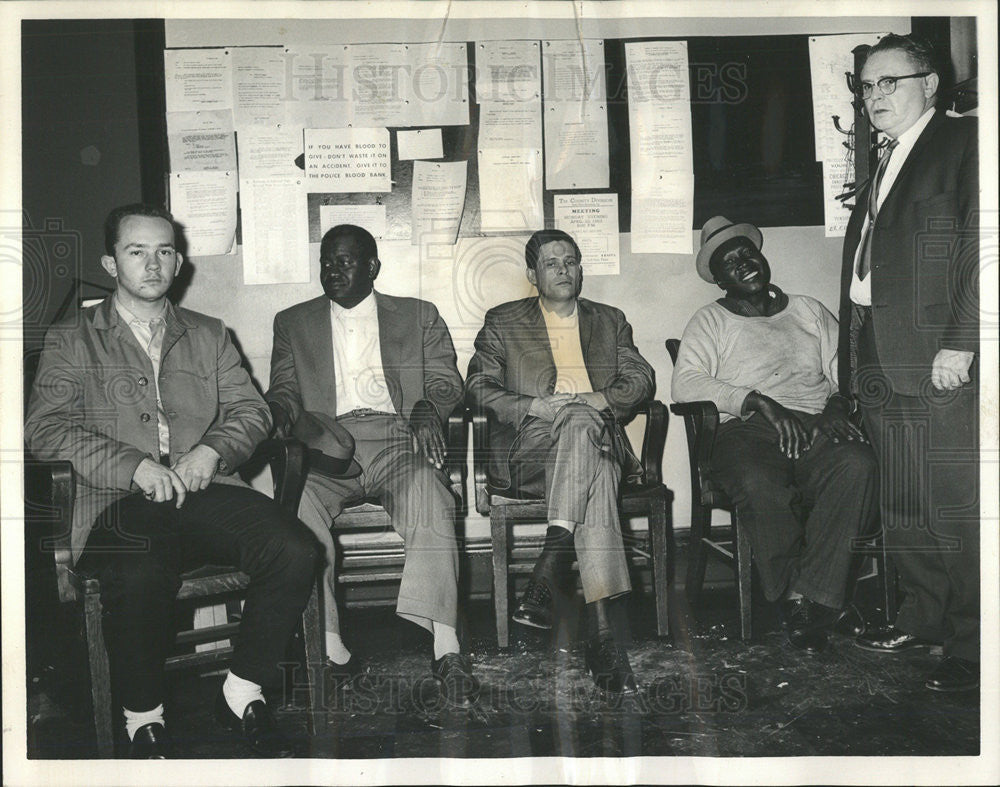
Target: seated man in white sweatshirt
{"points": [[802, 475]]}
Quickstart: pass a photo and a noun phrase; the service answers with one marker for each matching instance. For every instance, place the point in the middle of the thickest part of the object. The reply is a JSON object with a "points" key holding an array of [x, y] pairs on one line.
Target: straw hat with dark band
{"points": [[718, 230]]}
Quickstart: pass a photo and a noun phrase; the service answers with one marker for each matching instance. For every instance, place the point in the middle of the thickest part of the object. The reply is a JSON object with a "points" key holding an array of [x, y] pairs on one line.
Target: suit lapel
{"points": [[318, 325], [540, 335], [393, 337], [888, 204], [594, 353]]}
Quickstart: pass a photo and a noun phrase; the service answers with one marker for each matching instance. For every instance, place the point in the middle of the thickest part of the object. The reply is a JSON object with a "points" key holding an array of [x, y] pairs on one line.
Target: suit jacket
{"points": [[925, 258], [418, 358], [513, 364], [94, 403]]}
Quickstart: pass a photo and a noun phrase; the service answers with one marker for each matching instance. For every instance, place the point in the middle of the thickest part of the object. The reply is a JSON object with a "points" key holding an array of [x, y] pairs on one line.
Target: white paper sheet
{"points": [[662, 212], [592, 220], [437, 85], [835, 175], [830, 59], [258, 86], [378, 85], [510, 189], [319, 94], [576, 145], [197, 79], [370, 217], [659, 106], [275, 239], [421, 143], [204, 203], [201, 140], [507, 71], [342, 160], [510, 124], [574, 70], [438, 200], [269, 152]]}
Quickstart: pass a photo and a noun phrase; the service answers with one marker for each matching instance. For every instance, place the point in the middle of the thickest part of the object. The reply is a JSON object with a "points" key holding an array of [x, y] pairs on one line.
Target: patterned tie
{"points": [[865, 258], [157, 329]]}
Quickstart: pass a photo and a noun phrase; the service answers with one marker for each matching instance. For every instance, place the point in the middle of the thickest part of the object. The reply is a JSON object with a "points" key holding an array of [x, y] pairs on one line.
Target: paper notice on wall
{"points": [[436, 87], [378, 74], [576, 145], [275, 230], [662, 212], [422, 143], [507, 71], [836, 175], [269, 152], [574, 70], [592, 220], [258, 86], [510, 189], [343, 160], [510, 124], [438, 201], [319, 86], [831, 58], [197, 79], [370, 217], [204, 204], [201, 140], [659, 103]]}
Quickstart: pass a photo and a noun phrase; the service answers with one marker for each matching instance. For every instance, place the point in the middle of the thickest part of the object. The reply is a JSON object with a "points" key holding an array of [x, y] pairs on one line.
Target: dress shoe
{"points": [[806, 624], [850, 622], [608, 664], [149, 743], [338, 677], [259, 729], [536, 607], [454, 672], [889, 639], [954, 674]]}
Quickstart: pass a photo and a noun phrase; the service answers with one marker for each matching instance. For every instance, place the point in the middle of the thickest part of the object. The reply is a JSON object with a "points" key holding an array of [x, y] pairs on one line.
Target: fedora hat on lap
{"points": [[331, 447]]}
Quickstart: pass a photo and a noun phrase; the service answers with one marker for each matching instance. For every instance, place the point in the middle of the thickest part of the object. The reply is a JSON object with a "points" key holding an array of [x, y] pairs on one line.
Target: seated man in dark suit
{"points": [[381, 371], [556, 376], [150, 404]]}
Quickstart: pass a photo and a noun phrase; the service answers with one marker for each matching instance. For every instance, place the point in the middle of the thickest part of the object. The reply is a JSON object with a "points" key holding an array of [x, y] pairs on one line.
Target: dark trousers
{"points": [[139, 548], [928, 451], [801, 515]]}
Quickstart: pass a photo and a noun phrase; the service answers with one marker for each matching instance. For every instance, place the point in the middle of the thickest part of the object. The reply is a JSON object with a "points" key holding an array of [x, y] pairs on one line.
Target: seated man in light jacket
{"points": [[802, 475]]}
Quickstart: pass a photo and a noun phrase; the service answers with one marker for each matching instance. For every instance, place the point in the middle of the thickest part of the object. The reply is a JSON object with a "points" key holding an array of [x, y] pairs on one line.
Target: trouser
{"points": [[801, 515], [928, 451], [139, 548], [420, 506], [571, 462]]}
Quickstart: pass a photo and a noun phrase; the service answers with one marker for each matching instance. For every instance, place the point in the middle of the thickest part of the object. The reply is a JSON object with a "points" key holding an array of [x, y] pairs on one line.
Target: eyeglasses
{"points": [[886, 85]]}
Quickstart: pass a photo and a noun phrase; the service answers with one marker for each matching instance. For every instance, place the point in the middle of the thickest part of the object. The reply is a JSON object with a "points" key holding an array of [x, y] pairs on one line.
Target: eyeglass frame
{"points": [[860, 91]]}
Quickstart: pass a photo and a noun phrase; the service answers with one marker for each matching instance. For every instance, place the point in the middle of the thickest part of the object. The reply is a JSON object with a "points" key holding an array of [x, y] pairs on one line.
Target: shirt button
{"points": [[143, 381], [144, 418]]}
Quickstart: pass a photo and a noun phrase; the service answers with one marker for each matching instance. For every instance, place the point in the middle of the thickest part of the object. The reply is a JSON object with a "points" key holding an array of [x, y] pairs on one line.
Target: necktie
{"points": [[157, 328], [865, 258]]}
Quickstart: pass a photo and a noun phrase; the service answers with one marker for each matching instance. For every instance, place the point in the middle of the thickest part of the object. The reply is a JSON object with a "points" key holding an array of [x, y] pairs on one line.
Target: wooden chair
{"points": [[701, 420], [368, 562], [650, 498], [50, 500]]}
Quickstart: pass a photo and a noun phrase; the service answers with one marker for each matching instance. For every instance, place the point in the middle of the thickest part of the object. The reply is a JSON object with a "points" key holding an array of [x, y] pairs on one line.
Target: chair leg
{"points": [[662, 550], [701, 522], [312, 635], [501, 597], [743, 577], [891, 601], [100, 675]]}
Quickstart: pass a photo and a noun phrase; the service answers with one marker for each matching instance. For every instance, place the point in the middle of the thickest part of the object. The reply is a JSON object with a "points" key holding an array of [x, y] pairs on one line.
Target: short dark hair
{"points": [[113, 223], [918, 49], [534, 245], [366, 242]]}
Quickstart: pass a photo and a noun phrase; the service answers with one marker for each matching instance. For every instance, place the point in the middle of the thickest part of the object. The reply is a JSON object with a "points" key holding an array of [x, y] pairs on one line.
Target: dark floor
{"points": [[706, 694]]}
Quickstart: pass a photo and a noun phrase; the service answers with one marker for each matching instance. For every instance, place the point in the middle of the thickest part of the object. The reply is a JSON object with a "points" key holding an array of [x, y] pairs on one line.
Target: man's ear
{"points": [[180, 261], [109, 264], [931, 85], [532, 276], [374, 266]]}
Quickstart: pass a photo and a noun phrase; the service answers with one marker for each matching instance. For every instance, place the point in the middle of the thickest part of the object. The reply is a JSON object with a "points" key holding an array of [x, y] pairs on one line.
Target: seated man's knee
{"points": [[580, 422], [856, 458]]}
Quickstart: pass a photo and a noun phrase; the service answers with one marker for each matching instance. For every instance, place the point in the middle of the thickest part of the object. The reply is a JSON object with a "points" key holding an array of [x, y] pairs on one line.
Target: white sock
{"points": [[336, 650], [134, 720], [445, 639], [239, 693], [791, 595]]}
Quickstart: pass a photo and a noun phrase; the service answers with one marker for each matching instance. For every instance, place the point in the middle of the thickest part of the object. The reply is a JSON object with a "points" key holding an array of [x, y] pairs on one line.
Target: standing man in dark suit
{"points": [[382, 371], [908, 348], [557, 376]]}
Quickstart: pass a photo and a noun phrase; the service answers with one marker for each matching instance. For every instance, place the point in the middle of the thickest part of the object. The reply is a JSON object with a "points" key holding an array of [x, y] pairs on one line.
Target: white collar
{"points": [[551, 314], [907, 139], [364, 310]]}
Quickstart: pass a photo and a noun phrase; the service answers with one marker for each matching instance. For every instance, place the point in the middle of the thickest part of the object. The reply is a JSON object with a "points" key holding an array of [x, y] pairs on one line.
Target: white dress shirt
{"points": [[861, 289], [357, 358], [564, 339], [149, 334]]}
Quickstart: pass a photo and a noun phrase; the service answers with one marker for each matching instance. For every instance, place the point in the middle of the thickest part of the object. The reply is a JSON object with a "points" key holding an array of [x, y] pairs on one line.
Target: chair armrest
{"points": [[480, 457], [286, 456], [653, 440], [457, 443], [701, 421], [50, 490]]}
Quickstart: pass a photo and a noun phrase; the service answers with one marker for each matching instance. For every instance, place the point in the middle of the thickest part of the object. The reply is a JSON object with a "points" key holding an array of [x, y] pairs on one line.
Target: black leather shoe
{"points": [[338, 677], [535, 609], [889, 639], [806, 628], [954, 674], [150, 742], [454, 672], [850, 622], [608, 664], [259, 729]]}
